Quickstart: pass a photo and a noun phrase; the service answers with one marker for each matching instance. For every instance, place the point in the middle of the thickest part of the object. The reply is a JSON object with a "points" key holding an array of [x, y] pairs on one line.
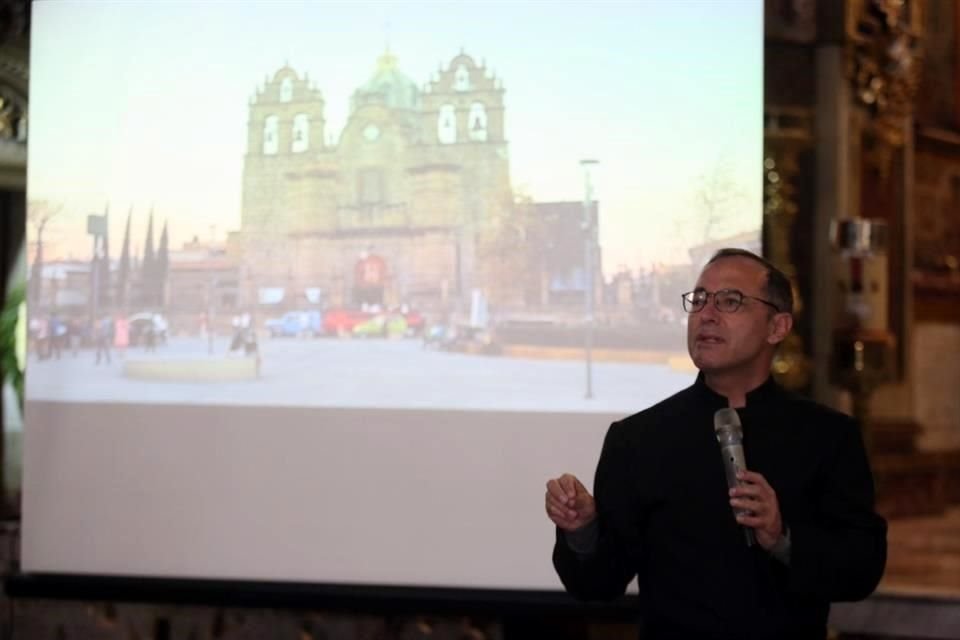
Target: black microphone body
{"points": [[729, 432]]}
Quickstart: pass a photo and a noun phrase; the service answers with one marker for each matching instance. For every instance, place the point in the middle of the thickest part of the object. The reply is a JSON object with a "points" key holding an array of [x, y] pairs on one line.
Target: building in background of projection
{"points": [[406, 205]]}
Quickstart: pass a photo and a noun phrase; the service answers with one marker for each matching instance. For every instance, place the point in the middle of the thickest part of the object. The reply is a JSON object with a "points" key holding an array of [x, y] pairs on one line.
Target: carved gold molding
{"points": [[14, 79], [13, 117], [788, 131], [883, 65]]}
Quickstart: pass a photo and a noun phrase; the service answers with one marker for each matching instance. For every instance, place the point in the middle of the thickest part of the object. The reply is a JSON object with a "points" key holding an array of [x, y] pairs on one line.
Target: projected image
{"points": [[444, 205]]}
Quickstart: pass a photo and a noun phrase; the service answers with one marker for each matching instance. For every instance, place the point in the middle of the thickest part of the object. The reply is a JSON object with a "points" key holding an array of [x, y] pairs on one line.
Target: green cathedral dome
{"points": [[387, 86]]}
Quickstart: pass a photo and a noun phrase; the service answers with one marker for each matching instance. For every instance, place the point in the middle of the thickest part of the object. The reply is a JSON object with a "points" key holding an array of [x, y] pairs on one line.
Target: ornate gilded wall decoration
{"points": [[787, 132], [13, 117], [14, 68], [883, 58]]}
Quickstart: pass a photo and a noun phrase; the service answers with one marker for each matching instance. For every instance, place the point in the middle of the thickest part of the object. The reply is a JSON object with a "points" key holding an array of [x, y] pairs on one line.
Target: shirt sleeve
{"points": [[583, 541], [605, 572], [781, 549], [840, 553]]}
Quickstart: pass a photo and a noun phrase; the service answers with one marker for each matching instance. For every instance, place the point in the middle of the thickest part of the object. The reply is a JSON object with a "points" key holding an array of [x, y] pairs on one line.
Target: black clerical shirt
{"points": [[664, 515]]}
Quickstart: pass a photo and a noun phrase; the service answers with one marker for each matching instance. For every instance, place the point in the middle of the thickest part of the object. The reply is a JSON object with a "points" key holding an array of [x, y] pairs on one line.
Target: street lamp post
{"points": [[96, 227], [589, 233], [211, 294]]}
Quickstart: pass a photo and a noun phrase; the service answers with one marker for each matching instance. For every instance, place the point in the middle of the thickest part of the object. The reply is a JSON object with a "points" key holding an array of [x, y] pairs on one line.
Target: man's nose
{"points": [[710, 313]]}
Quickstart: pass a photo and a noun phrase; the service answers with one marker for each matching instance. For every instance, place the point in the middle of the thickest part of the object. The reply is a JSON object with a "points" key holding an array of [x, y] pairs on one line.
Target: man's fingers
{"points": [[556, 490], [558, 513], [567, 516], [558, 502], [740, 495], [748, 520], [758, 502], [563, 517], [752, 477], [751, 490], [568, 502], [753, 506], [757, 521], [570, 485]]}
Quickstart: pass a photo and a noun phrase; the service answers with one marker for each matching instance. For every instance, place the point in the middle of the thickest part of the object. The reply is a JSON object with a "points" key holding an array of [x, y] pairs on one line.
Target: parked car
{"points": [[413, 318], [439, 336], [342, 321], [296, 324], [381, 326], [375, 327], [460, 339], [142, 325]]}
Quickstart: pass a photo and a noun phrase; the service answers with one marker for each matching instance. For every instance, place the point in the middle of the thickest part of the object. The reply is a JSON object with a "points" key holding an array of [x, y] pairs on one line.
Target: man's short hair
{"points": [[778, 289]]}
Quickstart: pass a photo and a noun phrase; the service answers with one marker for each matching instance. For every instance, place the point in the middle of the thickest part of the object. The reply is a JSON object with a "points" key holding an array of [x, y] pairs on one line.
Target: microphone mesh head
{"points": [[727, 427]]}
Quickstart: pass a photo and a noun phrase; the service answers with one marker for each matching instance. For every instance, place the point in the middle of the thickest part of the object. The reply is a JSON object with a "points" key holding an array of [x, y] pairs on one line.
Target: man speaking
{"points": [[739, 524]]}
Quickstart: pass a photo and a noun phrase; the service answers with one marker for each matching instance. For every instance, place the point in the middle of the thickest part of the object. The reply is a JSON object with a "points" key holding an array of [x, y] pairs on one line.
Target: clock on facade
{"points": [[371, 132]]}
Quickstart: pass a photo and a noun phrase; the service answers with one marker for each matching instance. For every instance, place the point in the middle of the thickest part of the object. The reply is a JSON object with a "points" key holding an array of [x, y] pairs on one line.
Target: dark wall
{"points": [[12, 228]]}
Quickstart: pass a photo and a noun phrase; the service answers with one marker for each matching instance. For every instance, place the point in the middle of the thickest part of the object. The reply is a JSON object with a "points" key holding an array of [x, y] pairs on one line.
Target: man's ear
{"points": [[780, 326]]}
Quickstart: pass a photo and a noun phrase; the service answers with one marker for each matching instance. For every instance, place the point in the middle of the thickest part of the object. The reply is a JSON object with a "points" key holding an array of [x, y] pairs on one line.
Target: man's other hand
{"points": [[569, 505]]}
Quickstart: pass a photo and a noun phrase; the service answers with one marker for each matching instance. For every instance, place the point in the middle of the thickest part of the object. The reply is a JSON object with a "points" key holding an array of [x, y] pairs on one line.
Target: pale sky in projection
{"points": [[144, 104]]}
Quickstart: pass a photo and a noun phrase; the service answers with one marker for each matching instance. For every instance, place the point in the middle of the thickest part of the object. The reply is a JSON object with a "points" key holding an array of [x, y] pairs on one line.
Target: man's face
{"points": [[741, 341]]}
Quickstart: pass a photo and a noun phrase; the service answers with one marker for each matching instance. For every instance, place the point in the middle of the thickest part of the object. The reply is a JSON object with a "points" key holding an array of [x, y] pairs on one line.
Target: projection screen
{"points": [[325, 292]]}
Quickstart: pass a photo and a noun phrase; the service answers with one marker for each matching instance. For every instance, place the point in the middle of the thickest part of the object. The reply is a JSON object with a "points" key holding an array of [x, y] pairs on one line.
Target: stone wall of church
{"points": [[423, 276], [390, 186]]}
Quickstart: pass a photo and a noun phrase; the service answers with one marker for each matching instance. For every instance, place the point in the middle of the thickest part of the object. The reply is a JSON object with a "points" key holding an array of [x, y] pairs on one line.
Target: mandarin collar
{"points": [[758, 397]]}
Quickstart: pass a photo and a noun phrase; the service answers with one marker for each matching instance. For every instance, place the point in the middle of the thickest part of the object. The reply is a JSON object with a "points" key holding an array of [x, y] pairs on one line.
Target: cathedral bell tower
{"points": [[463, 104], [285, 132]]}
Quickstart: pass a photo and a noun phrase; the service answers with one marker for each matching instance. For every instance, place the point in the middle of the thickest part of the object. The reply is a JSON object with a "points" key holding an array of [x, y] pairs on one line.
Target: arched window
{"points": [[271, 139], [461, 78], [477, 122], [301, 133], [447, 125], [286, 90]]}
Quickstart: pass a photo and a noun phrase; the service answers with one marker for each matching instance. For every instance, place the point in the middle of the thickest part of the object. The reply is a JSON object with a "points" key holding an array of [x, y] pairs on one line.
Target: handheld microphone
{"points": [[729, 432]]}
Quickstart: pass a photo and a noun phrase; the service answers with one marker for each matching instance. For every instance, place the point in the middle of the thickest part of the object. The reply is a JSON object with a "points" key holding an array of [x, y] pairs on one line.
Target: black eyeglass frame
{"points": [[688, 300]]}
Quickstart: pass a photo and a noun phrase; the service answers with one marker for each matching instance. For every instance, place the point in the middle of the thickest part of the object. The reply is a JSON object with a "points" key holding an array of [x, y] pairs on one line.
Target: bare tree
{"points": [[719, 201], [720, 198]]}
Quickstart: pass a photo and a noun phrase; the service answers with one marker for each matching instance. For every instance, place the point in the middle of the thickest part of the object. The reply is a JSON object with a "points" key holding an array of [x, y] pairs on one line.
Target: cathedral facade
{"points": [[402, 206]]}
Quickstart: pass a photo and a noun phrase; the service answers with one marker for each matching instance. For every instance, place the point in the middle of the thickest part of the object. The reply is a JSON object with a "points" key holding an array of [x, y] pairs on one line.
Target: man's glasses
{"points": [[725, 300]]}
